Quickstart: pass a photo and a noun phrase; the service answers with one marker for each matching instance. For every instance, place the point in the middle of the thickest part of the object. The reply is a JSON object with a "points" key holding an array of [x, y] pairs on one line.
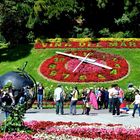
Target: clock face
{"points": [[60, 68]]}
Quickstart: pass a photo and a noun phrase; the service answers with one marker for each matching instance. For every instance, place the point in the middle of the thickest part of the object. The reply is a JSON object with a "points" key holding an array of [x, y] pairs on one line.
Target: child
{"points": [[123, 108]]}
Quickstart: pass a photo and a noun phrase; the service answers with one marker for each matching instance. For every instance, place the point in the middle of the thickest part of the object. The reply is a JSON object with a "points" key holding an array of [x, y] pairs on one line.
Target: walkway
{"points": [[98, 116]]}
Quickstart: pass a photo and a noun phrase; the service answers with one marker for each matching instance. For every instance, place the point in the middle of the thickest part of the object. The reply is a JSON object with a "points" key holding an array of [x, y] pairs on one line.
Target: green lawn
{"points": [[14, 58]]}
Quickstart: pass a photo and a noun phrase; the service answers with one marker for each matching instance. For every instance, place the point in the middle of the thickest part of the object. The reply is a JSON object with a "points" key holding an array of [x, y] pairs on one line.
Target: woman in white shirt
{"points": [[136, 103]]}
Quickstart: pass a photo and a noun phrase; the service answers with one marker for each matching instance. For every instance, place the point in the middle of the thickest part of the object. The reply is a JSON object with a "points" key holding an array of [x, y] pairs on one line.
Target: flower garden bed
{"points": [[88, 43], [60, 68], [42, 130]]}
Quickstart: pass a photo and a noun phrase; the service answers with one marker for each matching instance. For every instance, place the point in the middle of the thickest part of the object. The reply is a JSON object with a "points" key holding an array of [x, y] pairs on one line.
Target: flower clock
{"points": [[64, 68]]}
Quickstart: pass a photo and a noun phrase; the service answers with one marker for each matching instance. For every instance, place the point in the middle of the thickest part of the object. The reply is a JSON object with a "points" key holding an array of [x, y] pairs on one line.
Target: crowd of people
{"points": [[111, 98], [9, 97]]}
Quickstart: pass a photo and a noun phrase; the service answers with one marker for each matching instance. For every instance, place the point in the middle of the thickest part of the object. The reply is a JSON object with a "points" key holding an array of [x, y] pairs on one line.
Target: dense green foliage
{"points": [[14, 122], [14, 15], [24, 20]]}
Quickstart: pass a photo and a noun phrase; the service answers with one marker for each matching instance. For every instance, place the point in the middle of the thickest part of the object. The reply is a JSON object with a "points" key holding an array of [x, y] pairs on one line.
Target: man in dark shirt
{"points": [[40, 92]]}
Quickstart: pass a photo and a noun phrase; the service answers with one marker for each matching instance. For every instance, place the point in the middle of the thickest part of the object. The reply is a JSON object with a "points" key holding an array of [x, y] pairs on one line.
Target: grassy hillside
{"points": [[14, 58]]}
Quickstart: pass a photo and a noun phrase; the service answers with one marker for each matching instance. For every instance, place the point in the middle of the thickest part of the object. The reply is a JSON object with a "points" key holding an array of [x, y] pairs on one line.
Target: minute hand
{"points": [[87, 60], [96, 63]]}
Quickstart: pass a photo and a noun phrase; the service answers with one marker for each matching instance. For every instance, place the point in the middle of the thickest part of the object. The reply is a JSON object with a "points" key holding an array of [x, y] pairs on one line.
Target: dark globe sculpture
{"points": [[23, 87]]}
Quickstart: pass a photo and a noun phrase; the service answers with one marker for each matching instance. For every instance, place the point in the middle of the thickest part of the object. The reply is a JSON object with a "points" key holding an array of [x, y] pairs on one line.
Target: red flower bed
{"points": [[85, 130], [60, 68], [17, 136], [43, 130]]}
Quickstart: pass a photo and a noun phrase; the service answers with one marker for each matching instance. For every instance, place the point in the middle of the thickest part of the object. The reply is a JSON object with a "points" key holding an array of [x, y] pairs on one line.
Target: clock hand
{"points": [[83, 60], [87, 60], [75, 56]]}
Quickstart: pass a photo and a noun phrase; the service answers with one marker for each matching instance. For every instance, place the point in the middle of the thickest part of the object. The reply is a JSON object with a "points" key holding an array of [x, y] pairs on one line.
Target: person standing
{"points": [[92, 99], [136, 103], [121, 95], [102, 97], [106, 98], [40, 92], [59, 96], [7, 98], [88, 106], [115, 99], [98, 96], [74, 100], [84, 95], [110, 90]]}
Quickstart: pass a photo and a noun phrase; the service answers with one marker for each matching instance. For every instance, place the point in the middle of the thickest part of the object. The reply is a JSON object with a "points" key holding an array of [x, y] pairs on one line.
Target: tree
{"points": [[50, 18], [130, 18], [114, 16], [45, 10], [14, 16], [21, 19]]}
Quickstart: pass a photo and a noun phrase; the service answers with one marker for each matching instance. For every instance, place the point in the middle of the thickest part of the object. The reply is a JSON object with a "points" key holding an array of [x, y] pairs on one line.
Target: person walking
{"points": [[136, 103], [59, 96], [74, 100]]}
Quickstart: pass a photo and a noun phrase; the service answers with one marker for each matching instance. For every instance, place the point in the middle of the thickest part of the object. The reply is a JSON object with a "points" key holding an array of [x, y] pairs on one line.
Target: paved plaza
{"points": [[96, 116]]}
